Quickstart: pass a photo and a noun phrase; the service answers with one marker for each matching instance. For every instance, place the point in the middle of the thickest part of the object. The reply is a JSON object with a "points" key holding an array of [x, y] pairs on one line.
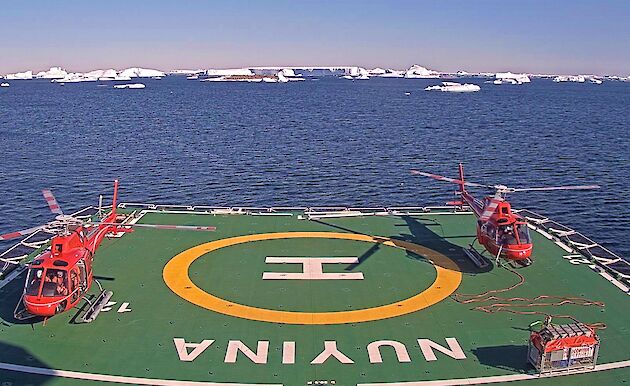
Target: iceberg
{"points": [[77, 77], [129, 85], [510, 78], [376, 71], [5, 84], [26, 75], [185, 72], [389, 73], [230, 72], [417, 71], [110, 74], [578, 79], [53, 73], [283, 78], [454, 87], [288, 72], [137, 72]]}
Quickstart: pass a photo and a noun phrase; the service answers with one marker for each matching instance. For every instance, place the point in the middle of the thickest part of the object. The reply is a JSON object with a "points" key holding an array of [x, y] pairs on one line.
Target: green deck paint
{"points": [[140, 343]]}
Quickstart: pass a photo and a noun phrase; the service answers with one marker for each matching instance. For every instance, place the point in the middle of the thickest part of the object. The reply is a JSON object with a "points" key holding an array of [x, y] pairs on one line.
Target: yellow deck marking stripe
{"points": [[176, 277]]}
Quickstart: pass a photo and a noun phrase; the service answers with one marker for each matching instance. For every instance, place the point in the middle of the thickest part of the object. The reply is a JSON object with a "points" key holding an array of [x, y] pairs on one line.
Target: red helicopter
{"points": [[502, 232], [59, 278]]}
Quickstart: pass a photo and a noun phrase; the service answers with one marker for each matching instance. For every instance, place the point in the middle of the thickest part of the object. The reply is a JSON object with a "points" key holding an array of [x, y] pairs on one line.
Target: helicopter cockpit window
{"points": [[523, 233], [506, 235], [33, 281], [55, 283]]}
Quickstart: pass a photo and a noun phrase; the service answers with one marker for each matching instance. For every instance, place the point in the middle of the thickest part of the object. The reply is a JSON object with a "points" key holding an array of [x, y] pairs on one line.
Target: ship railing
{"points": [[344, 211], [575, 242]]}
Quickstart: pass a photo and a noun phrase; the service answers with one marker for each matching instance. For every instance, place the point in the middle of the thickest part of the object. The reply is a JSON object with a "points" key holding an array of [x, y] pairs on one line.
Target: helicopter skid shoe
{"points": [[477, 259], [95, 308], [521, 263]]}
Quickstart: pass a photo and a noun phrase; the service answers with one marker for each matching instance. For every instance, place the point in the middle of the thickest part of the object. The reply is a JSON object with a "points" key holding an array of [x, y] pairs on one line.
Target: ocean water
{"points": [[316, 143]]}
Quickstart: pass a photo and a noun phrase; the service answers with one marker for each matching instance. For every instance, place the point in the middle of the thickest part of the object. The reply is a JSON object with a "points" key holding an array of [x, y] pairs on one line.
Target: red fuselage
{"points": [[57, 279]]}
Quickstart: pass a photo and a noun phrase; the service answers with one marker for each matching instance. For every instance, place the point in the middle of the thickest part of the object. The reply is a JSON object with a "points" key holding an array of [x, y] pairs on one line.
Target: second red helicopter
{"points": [[502, 232]]}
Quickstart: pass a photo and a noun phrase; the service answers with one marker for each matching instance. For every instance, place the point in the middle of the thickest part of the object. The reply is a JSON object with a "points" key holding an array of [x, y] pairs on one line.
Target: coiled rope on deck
{"points": [[504, 304]]}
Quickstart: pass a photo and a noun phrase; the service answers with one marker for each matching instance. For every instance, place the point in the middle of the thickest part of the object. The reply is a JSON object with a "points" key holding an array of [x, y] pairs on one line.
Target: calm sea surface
{"points": [[324, 142]]}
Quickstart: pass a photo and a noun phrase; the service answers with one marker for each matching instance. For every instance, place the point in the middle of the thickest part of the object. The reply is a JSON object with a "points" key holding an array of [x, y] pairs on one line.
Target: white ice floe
{"points": [[348, 77], [130, 85], [577, 78], [26, 75], [53, 73], [417, 71], [137, 72], [454, 87], [193, 77], [5, 84], [510, 78]]}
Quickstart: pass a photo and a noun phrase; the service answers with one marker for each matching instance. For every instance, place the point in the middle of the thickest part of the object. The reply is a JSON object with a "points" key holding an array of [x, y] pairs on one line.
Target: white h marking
{"points": [[312, 268]]}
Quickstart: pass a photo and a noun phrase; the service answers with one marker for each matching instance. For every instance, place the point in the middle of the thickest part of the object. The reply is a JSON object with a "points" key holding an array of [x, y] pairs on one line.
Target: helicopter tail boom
{"points": [[115, 196]]}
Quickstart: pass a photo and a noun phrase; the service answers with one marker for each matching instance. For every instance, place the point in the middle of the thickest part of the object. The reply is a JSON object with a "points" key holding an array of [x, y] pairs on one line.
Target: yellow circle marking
{"points": [[175, 275]]}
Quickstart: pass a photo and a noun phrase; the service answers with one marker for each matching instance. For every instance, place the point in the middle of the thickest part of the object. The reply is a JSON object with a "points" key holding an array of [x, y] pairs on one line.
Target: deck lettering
{"points": [[259, 357], [375, 354], [182, 348], [330, 349], [454, 351]]}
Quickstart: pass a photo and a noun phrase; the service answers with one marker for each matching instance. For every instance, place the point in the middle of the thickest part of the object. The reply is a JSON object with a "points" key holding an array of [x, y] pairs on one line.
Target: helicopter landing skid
{"points": [[477, 258], [20, 313], [96, 307]]}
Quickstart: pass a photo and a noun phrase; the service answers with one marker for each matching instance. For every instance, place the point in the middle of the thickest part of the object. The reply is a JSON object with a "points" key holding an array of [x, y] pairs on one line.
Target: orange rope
{"points": [[508, 304]]}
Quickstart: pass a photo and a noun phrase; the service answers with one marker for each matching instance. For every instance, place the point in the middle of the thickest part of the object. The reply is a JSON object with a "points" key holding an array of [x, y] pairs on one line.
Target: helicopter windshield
{"points": [[55, 282], [506, 235], [523, 233], [33, 280]]}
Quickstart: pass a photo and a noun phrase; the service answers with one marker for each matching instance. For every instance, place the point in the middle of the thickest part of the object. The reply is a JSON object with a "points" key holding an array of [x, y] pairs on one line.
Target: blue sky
{"points": [[534, 36]]}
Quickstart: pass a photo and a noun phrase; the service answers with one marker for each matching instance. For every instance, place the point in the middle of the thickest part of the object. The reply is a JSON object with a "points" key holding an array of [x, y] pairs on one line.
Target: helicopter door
{"points": [[82, 275], [75, 284]]}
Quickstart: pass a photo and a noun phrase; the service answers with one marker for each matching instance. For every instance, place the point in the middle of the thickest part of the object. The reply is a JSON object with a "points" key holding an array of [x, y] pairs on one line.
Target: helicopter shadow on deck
{"points": [[421, 234], [10, 354], [10, 296]]}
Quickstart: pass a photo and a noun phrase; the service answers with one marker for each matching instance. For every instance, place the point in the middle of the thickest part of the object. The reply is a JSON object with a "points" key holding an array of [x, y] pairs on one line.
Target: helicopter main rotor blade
{"points": [[14, 235], [52, 202], [160, 226], [447, 179], [575, 187]]}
